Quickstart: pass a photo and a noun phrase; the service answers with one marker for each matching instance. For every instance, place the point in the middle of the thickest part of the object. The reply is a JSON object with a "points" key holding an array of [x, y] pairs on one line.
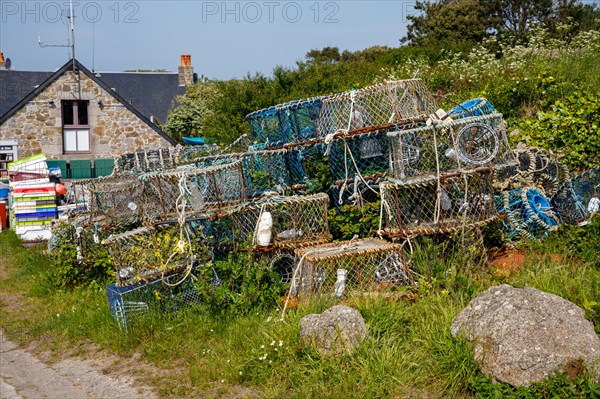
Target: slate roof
{"points": [[152, 94], [134, 89]]}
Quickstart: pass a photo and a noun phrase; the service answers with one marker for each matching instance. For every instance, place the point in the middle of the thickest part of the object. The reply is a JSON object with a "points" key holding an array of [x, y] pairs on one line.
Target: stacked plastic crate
{"points": [[33, 203]]}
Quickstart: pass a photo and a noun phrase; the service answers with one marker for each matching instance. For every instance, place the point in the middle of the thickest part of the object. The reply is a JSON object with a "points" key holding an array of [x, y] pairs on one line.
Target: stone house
{"points": [[75, 113]]}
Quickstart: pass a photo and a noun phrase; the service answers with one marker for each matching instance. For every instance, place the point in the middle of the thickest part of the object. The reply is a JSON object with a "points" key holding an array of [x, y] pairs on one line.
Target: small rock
{"points": [[338, 329], [522, 335]]}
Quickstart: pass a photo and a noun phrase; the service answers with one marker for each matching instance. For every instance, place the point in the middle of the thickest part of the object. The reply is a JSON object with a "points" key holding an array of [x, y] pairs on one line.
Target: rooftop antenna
{"points": [[71, 38]]}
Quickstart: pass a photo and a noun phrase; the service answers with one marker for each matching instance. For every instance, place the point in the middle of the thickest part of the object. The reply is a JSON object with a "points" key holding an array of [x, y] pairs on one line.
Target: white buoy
{"points": [[265, 227], [593, 205], [340, 284]]}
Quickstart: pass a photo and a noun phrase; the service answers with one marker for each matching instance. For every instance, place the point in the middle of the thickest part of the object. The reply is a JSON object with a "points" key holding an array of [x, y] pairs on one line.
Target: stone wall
{"points": [[114, 130]]}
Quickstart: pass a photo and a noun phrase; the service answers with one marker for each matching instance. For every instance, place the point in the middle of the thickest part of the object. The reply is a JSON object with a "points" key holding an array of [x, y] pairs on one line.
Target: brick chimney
{"points": [[2, 61], [186, 70]]}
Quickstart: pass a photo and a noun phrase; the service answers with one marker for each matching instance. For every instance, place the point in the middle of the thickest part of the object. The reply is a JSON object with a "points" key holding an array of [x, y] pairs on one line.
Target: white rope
{"points": [[180, 205]]}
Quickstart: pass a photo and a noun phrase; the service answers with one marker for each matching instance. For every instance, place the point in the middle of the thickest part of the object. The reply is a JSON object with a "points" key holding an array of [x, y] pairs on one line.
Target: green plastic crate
{"points": [[81, 169], [60, 163], [103, 167]]}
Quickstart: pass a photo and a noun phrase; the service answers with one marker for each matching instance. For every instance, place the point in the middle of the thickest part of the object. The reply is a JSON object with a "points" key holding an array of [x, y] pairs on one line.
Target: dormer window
{"points": [[76, 128]]}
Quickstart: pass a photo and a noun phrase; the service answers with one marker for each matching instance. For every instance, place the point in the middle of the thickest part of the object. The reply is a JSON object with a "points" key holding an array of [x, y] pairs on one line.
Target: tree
{"points": [[187, 119], [454, 23], [327, 55]]}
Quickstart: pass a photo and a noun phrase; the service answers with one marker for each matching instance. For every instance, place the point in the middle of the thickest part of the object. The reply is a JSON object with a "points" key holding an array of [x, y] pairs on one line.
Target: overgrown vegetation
{"points": [[236, 337], [545, 80]]}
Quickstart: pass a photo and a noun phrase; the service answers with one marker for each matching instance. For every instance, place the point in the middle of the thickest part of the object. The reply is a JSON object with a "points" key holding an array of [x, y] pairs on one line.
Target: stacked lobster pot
{"points": [[292, 128], [354, 125], [442, 172]]}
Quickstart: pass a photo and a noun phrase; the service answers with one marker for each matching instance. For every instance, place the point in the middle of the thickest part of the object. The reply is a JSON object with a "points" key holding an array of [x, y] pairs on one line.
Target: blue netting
{"points": [[128, 303], [568, 205], [262, 170], [587, 187], [473, 107], [295, 121], [526, 213], [366, 153]]}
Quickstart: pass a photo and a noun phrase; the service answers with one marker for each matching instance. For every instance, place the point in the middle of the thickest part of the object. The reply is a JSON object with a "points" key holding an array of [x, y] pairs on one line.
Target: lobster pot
{"points": [[114, 200], [146, 160], [375, 107], [354, 267], [356, 193], [533, 168], [128, 303], [366, 154], [146, 253], [568, 205], [295, 121], [201, 190], [295, 221], [428, 207], [526, 213], [262, 170], [473, 107], [188, 154], [305, 164], [467, 144], [587, 188]]}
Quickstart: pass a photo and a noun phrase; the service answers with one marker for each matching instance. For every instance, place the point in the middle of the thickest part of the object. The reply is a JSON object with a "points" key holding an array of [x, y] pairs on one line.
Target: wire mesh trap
{"points": [[114, 200], [568, 205], [263, 171], [146, 253], [295, 121], [192, 190], [534, 168], [473, 107], [349, 267], [129, 303], [434, 206], [375, 107], [466, 144], [146, 160], [282, 222], [364, 154], [587, 188], [526, 213]]}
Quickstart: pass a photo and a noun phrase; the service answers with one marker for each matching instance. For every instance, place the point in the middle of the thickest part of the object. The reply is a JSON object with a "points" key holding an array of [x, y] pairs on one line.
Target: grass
{"points": [[410, 354]]}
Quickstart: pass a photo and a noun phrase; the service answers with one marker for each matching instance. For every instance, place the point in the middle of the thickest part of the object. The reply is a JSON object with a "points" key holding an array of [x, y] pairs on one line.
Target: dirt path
{"points": [[23, 376]]}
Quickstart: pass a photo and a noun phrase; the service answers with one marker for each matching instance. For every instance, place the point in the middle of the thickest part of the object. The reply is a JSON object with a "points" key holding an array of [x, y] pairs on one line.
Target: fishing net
{"points": [[473, 107], [151, 252], [193, 190], [452, 203], [349, 268], [296, 221], [159, 295], [364, 154], [375, 107], [587, 188], [114, 200], [567, 205], [263, 171], [534, 168], [463, 145], [146, 160], [526, 213], [295, 121]]}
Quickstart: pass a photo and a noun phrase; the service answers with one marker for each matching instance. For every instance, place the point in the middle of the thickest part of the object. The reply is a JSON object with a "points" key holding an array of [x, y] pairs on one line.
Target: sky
{"points": [[226, 39]]}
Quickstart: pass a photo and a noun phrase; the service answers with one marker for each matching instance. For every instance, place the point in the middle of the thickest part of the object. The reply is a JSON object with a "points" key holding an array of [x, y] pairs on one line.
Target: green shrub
{"points": [[94, 267], [239, 285], [571, 128], [350, 220]]}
